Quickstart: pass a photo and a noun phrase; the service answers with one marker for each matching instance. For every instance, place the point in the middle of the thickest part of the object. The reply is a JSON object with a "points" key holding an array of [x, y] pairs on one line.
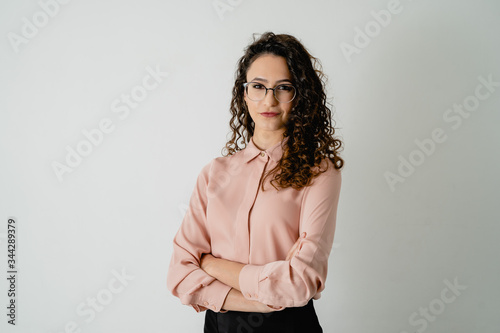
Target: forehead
{"points": [[269, 67]]}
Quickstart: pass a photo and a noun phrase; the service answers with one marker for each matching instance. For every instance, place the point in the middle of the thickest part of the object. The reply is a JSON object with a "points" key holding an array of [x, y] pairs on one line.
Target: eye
{"points": [[257, 86], [285, 88]]}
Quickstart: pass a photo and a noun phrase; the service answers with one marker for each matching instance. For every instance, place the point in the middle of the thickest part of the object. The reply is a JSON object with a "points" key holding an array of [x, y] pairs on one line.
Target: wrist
{"points": [[208, 263]]}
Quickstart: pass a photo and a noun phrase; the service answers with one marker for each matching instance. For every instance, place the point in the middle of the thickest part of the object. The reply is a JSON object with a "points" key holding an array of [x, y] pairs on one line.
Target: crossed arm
{"points": [[228, 272]]}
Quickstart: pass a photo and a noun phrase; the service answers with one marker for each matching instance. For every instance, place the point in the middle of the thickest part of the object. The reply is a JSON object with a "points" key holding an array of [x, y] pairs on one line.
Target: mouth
{"points": [[269, 114]]}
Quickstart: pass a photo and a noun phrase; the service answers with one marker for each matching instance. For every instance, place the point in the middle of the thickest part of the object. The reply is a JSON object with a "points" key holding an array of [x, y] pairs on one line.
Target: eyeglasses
{"points": [[284, 93]]}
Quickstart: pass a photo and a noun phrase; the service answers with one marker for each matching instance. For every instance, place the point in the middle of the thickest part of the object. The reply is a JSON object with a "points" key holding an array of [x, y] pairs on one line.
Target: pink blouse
{"points": [[232, 218]]}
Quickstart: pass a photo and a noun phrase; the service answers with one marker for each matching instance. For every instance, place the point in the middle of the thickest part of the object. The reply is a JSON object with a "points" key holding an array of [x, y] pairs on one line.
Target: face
{"points": [[270, 71]]}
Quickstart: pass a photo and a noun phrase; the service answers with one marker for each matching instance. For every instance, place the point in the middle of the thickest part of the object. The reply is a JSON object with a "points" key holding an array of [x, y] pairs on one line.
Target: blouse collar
{"points": [[275, 152]]}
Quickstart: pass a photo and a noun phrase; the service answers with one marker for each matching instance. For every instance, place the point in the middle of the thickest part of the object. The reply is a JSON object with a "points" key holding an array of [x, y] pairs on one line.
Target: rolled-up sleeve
{"points": [[185, 279], [292, 283]]}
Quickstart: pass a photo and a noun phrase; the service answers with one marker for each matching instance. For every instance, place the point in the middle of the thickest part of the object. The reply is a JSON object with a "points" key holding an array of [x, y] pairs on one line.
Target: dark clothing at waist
{"points": [[289, 320]]}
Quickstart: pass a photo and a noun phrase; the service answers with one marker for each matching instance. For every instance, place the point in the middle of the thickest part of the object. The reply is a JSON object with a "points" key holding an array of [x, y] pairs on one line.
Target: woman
{"points": [[253, 248]]}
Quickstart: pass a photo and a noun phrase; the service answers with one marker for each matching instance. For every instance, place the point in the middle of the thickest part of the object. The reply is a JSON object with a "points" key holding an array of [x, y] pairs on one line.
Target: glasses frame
{"points": [[245, 87]]}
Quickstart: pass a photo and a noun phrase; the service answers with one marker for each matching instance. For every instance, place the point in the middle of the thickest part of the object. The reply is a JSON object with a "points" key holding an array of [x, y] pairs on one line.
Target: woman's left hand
{"points": [[205, 261]]}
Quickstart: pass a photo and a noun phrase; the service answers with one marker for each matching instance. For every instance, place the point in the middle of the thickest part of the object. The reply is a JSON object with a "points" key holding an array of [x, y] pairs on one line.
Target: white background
{"points": [[119, 208]]}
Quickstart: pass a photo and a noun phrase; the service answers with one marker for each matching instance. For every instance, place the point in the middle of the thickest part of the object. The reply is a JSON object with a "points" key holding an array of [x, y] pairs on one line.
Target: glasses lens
{"points": [[285, 93], [256, 91]]}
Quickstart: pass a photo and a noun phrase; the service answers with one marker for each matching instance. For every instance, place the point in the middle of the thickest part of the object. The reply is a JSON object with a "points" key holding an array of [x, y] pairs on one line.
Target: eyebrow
{"points": [[264, 80]]}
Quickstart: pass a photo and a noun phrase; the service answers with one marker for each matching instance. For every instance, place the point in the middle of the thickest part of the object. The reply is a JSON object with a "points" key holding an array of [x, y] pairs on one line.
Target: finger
{"points": [[292, 251]]}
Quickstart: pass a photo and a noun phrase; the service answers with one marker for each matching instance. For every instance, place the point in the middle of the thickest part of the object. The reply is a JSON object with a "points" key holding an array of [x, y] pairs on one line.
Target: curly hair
{"points": [[309, 129]]}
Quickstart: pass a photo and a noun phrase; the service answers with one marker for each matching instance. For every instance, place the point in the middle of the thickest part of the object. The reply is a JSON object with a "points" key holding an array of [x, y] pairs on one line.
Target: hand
{"points": [[264, 308], [235, 301], [296, 247], [205, 261]]}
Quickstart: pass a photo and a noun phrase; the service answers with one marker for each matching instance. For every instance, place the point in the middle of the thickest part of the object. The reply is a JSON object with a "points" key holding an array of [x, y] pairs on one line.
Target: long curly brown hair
{"points": [[309, 129]]}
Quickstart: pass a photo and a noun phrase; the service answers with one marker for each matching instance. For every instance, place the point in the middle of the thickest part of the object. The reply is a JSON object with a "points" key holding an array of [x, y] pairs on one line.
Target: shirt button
{"points": [[262, 154], [255, 295], [205, 303], [213, 307], [249, 296]]}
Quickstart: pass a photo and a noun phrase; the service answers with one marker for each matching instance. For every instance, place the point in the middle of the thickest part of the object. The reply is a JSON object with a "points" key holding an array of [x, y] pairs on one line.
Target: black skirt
{"points": [[289, 320]]}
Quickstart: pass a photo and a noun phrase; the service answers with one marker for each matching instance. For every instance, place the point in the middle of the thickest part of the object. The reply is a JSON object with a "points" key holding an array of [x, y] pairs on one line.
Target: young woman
{"points": [[252, 250]]}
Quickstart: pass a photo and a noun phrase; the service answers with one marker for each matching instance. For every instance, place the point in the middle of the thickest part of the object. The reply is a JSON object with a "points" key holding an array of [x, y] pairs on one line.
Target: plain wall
{"points": [[418, 213]]}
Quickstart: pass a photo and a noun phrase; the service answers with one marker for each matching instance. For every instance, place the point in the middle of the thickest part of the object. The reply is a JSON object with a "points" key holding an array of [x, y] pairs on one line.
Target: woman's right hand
{"points": [[264, 308]]}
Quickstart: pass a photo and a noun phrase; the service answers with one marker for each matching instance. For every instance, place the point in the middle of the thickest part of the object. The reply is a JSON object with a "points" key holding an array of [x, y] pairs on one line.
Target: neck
{"points": [[264, 141]]}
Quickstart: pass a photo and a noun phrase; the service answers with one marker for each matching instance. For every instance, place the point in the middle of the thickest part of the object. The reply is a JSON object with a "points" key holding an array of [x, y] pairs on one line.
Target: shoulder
{"points": [[327, 170], [328, 179], [324, 190], [223, 165]]}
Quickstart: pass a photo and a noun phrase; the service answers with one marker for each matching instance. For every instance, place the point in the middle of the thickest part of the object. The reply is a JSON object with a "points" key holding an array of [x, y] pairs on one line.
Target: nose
{"points": [[270, 99]]}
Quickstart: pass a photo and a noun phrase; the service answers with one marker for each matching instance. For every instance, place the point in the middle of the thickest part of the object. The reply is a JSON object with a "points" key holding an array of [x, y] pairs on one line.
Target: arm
{"points": [[236, 302], [224, 270], [185, 278], [228, 271], [294, 281]]}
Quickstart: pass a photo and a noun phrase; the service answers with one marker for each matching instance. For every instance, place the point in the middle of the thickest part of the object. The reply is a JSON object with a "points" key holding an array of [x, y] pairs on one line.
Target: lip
{"points": [[269, 114]]}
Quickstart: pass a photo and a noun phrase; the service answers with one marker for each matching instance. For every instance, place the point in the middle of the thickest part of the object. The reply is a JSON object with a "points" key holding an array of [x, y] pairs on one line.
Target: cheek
{"points": [[250, 105]]}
